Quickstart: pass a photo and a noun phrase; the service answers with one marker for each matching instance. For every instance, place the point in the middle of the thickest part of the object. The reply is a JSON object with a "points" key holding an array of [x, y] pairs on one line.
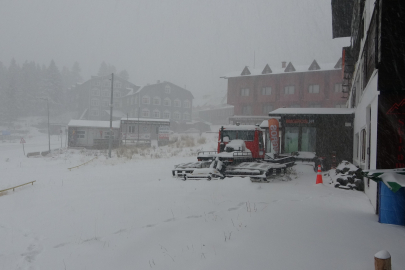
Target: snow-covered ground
{"points": [[122, 213]]}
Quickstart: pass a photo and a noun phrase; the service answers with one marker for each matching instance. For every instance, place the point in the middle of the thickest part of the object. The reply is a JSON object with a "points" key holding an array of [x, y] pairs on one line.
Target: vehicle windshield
{"points": [[246, 135]]}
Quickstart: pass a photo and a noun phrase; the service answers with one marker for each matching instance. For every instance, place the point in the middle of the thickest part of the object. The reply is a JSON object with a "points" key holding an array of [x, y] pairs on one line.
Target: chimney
{"points": [[283, 64]]}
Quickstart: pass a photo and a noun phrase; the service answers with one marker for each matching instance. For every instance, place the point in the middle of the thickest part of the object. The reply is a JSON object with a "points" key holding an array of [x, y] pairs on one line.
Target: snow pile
{"points": [[236, 145], [347, 176], [304, 155], [119, 213]]}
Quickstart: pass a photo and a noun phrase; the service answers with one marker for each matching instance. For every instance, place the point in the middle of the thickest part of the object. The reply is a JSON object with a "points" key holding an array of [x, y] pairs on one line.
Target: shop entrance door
{"points": [[300, 139]]}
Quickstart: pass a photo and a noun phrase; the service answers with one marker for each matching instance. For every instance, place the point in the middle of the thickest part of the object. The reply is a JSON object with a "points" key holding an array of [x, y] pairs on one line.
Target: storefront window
{"points": [[308, 142], [291, 139]]}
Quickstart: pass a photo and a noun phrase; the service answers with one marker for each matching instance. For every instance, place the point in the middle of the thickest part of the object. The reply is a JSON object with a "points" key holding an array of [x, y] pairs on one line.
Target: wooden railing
{"points": [[81, 164], [32, 182]]}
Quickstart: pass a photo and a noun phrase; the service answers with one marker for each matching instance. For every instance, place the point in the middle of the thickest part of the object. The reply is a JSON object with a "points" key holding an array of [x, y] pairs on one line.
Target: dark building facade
{"points": [[163, 100], [92, 98]]}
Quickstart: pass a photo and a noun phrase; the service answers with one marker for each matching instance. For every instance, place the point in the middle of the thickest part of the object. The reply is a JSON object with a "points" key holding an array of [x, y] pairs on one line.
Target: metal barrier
{"points": [[32, 182], [81, 164]]}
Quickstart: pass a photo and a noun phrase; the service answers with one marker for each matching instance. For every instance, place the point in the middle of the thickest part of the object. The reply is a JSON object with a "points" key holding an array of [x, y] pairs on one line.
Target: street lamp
{"points": [[49, 134]]}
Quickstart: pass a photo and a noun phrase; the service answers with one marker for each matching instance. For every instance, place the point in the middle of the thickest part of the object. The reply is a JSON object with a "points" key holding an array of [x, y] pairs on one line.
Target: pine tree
{"points": [[124, 74], [103, 70], [54, 86], [76, 76], [10, 97]]}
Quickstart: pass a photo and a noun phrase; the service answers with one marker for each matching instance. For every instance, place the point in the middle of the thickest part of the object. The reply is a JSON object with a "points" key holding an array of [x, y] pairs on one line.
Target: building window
{"points": [[338, 88], [81, 134], [106, 93], [95, 102], [244, 92], [186, 104], [363, 145], [176, 116], [97, 83], [176, 103], [118, 84], [107, 83], [106, 103], [156, 114], [313, 89], [186, 116], [94, 112], [247, 110], [131, 129], [266, 91], [356, 145], [145, 100], [145, 113], [167, 89], [107, 134], [167, 102], [289, 90], [166, 115], [156, 101], [315, 106], [117, 94], [267, 108], [340, 106], [95, 92]]}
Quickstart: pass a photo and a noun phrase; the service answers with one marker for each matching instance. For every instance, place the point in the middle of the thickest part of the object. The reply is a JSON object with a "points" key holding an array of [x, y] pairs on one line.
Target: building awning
{"points": [[93, 123], [393, 178], [294, 111]]}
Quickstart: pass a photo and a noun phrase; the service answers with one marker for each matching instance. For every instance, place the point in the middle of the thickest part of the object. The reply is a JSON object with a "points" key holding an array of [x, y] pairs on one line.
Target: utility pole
{"points": [[111, 113], [139, 110], [49, 133], [126, 130]]}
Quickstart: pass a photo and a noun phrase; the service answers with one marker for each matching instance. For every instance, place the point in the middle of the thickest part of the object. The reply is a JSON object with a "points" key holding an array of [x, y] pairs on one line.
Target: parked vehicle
{"points": [[240, 152]]}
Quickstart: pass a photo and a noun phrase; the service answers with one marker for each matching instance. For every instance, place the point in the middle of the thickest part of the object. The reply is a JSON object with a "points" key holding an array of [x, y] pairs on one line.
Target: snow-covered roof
{"points": [[250, 117], [312, 111], [226, 106], [146, 119], [242, 127], [298, 68], [265, 123], [116, 113], [93, 123]]}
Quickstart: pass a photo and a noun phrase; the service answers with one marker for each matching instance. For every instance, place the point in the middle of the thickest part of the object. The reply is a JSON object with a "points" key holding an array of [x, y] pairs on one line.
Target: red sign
{"points": [[22, 140], [273, 133]]}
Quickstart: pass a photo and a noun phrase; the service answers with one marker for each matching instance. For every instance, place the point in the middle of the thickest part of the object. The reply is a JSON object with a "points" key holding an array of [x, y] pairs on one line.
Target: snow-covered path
{"points": [[131, 214]]}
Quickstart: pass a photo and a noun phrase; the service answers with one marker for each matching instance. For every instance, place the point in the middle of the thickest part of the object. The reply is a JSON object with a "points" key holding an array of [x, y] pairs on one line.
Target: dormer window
{"points": [[167, 89], [145, 100], [176, 103], [167, 102], [156, 101]]}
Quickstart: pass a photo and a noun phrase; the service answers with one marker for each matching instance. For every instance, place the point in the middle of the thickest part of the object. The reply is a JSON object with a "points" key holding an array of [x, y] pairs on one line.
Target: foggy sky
{"points": [[190, 43]]}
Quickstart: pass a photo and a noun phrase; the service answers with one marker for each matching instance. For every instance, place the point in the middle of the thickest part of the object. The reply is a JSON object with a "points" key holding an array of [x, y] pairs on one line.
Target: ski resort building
{"points": [[260, 91], [374, 84]]}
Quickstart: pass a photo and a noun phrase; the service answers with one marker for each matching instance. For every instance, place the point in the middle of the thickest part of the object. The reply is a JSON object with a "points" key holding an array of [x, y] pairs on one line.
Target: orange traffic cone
{"points": [[319, 176]]}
